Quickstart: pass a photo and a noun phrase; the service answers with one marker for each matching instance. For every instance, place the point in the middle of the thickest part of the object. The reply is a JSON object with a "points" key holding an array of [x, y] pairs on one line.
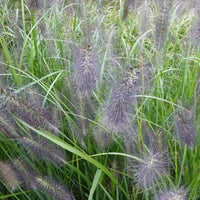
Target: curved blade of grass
{"points": [[71, 149], [94, 184]]}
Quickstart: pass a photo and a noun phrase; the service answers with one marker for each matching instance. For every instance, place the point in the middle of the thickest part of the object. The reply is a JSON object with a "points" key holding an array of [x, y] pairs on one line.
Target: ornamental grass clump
{"points": [[172, 194], [51, 187]]}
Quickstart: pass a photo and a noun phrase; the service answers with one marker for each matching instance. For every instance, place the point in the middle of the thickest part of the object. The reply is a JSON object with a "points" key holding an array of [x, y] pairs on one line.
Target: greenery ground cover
{"points": [[99, 99]]}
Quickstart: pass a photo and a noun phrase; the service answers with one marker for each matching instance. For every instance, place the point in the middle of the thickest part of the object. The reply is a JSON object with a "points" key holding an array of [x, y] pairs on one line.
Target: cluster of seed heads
{"points": [[19, 174]]}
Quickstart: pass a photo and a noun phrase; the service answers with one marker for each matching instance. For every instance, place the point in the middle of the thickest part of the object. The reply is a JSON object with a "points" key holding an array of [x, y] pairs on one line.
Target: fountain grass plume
{"points": [[117, 112], [186, 127], [172, 194], [154, 164], [54, 189], [153, 167], [86, 75], [194, 35], [43, 149], [9, 176], [32, 114], [162, 22], [25, 173], [7, 126]]}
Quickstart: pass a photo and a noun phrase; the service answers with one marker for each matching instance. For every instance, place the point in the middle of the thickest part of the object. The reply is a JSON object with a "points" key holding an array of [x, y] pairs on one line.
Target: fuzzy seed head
{"points": [[9, 175], [43, 149], [86, 73], [195, 33], [24, 172], [145, 22], [162, 22], [117, 112], [171, 194], [186, 127], [54, 189], [33, 115], [151, 169], [7, 126]]}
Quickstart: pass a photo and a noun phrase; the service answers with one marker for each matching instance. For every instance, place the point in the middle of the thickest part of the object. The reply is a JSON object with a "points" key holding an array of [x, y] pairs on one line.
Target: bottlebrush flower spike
{"points": [[195, 33], [145, 17], [117, 112], [86, 73], [52, 188], [153, 166], [25, 173], [8, 127], [171, 194], [9, 175], [186, 128], [162, 22], [31, 114], [36, 4], [44, 149]]}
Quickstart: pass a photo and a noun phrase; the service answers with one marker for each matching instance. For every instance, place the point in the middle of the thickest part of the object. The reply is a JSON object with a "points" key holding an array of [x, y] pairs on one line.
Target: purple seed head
{"points": [[86, 73], [52, 188], [24, 172], [7, 126], [162, 22], [171, 194], [43, 149], [33, 115], [153, 166], [186, 128], [9, 175], [144, 22], [195, 33], [36, 4], [117, 112]]}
